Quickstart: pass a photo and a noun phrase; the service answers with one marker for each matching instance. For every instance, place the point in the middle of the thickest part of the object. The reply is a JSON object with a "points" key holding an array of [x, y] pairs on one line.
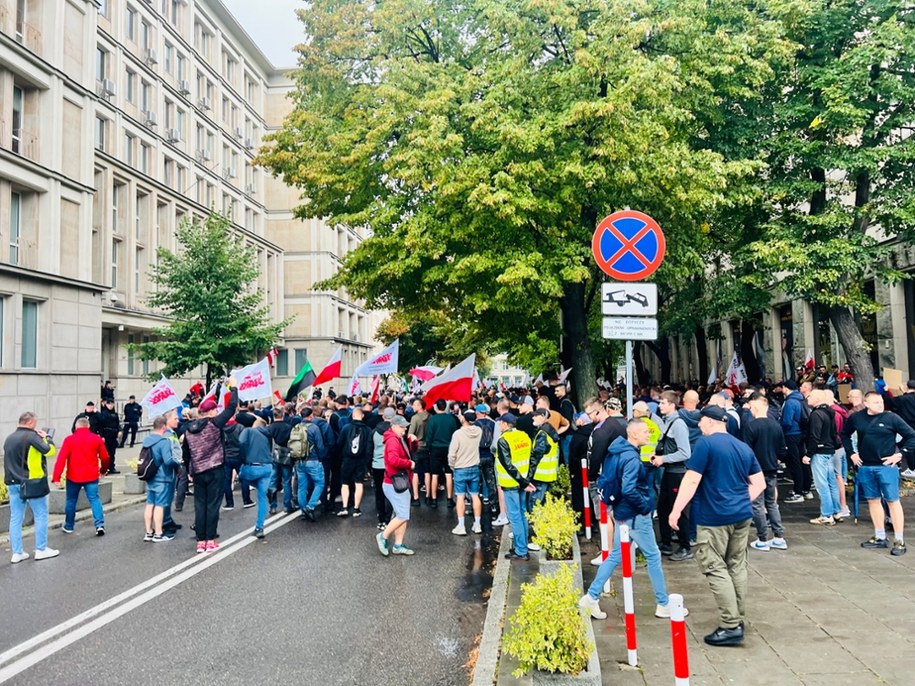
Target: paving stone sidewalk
{"points": [[824, 612]]}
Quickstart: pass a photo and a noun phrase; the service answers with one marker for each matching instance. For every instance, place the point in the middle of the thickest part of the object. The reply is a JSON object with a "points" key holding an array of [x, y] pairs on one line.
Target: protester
{"points": [[356, 447], [382, 507], [464, 461], [310, 469], [396, 459], [257, 468], [158, 489], [84, 458], [513, 456], [764, 436], [439, 429], [671, 454]]}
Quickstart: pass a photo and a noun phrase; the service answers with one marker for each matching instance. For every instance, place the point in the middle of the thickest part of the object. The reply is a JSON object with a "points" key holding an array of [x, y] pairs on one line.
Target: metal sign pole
{"points": [[629, 379]]}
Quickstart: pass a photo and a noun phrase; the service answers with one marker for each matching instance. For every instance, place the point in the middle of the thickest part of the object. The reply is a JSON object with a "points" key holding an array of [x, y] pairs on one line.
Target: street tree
{"points": [[207, 289], [482, 141]]}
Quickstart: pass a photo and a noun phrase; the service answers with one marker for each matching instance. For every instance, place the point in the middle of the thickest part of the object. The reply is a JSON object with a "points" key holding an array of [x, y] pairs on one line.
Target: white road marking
{"points": [[124, 602]]}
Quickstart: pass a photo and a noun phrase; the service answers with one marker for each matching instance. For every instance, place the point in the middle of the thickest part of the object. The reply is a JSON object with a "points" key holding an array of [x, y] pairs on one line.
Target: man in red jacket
{"points": [[84, 457]]}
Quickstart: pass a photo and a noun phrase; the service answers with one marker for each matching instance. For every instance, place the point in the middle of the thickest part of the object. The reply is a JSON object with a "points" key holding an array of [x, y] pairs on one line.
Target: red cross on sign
{"points": [[628, 245]]}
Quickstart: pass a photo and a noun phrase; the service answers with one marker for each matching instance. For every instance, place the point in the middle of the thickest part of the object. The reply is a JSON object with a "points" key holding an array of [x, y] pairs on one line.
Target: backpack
{"points": [[299, 445], [147, 467], [487, 426]]}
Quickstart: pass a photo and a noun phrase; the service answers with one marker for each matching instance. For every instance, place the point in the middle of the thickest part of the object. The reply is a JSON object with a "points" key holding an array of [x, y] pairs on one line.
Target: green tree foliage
{"points": [[218, 318], [482, 141]]}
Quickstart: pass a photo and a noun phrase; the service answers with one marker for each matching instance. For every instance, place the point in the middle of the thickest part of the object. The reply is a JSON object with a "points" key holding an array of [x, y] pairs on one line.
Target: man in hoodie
{"points": [[625, 485], [356, 448], [205, 456], [464, 460], [792, 418], [439, 429], [544, 457], [673, 450], [159, 490], [822, 443]]}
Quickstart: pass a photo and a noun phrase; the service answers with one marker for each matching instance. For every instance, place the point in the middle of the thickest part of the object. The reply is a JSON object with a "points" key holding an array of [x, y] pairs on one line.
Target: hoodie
{"points": [[691, 417], [203, 444], [161, 448], [821, 434], [625, 482], [791, 414], [464, 449]]}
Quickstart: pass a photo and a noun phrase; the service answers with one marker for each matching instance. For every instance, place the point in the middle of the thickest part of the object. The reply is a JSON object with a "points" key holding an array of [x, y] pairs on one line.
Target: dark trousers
{"points": [[670, 486], [488, 478], [181, 488], [578, 496], [795, 446], [227, 485], [132, 427], [208, 492], [111, 445], [382, 506]]}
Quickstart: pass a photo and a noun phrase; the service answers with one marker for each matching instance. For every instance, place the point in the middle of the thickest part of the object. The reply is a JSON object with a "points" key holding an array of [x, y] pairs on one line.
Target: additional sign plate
{"points": [[630, 328], [640, 299], [628, 245]]}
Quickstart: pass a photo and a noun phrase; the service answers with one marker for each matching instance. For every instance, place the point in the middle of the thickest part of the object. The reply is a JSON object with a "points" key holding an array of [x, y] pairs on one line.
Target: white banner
{"points": [[737, 373], [384, 362], [254, 381], [354, 387], [160, 399]]}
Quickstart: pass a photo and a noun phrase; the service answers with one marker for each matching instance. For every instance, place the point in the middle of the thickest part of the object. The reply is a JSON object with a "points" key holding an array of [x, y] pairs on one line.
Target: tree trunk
{"points": [[575, 325], [641, 374], [661, 349], [854, 345], [702, 353], [747, 351], [209, 377]]}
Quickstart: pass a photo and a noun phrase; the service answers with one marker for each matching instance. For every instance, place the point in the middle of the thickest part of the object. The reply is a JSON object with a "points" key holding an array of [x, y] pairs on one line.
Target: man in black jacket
{"points": [[356, 448], [606, 430], [877, 460], [109, 426], [822, 444], [904, 406], [133, 411], [767, 441]]}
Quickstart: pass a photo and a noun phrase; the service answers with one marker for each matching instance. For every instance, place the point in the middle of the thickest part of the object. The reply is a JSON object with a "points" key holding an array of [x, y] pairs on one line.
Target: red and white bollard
{"points": [[628, 601], [604, 539], [678, 640], [584, 488]]}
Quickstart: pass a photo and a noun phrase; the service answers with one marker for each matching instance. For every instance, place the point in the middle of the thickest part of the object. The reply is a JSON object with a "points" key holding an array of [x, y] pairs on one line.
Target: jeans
{"points": [[95, 503], [488, 478], [167, 514], [39, 508], [722, 555], [283, 471], [515, 507], [259, 476], [207, 496], [641, 531], [824, 474], [311, 483], [670, 487], [564, 442], [538, 495], [382, 504], [765, 507]]}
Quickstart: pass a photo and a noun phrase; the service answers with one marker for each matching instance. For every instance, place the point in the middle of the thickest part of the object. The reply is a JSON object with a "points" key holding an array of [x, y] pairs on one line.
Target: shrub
{"points": [[554, 523], [4, 493], [563, 484], [547, 631]]}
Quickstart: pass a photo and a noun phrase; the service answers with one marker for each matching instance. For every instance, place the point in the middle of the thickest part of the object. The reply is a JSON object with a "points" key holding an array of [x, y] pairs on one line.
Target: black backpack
{"points": [[147, 467]]}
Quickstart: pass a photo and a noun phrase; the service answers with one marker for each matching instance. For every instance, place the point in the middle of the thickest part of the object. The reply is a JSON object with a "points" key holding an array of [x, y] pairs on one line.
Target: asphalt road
{"points": [[313, 603]]}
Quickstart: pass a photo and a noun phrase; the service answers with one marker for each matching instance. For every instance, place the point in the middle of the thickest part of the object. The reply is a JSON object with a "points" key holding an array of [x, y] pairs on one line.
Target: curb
{"points": [[484, 673]]}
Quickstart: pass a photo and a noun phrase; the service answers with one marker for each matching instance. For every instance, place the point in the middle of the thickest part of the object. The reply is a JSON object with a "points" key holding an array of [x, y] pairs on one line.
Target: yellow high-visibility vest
{"points": [[519, 445], [549, 463]]}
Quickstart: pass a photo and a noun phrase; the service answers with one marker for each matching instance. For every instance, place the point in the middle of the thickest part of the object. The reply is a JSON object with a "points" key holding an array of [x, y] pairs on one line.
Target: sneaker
{"points": [[477, 528], [459, 530], [898, 548], [837, 517], [725, 637], [100, 531], [357, 512], [225, 508], [414, 502], [533, 546], [272, 511], [451, 503], [247, 505], [433, 503], [778, 544], [382, 544], [874, 542], [174, 527], [500, 521], [512, 555], [666, 549], [844, 513], [46, 554], [908, 474], [586, 602], [163, 538], [808, 495], [343, 513], [258, 533], [824, 521], [18, 557], [212, 546], [310, 515], [402, 550], [201, 547], [663, 611], [764, 546], [289, 510], [794, 498], [682, 554], [596, 562], [148, 536], [110, 471], [66, 530]]}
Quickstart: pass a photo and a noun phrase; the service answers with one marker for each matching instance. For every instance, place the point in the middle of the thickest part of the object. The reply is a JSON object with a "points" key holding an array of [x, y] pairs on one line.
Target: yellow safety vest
{"points": [[549, 463], [654, 435], [519, 445]]}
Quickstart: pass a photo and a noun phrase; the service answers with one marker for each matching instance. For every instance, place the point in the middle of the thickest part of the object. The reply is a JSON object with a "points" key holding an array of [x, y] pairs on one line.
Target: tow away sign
{"points": [[630, 328], [639, 299]]}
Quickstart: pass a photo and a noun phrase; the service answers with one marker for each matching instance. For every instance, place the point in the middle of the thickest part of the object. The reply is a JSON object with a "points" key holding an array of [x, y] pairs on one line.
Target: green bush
{"points": [[548, 632], [554, 524], [563, 484], [4, 493]]}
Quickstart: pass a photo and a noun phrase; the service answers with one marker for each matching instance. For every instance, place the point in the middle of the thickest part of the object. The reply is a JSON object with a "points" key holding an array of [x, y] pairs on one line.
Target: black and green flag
{"points": [[302, 380]]}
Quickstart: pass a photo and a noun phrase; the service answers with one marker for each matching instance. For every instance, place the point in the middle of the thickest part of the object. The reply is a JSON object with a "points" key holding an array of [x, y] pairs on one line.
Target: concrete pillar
{"points": [[891, 327]]}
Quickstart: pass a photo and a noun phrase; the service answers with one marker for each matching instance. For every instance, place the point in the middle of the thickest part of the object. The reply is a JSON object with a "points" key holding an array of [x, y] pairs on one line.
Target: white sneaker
{"points": [[844, 513], [761, 545], [46, 554], [18, 557], [533, 546], [908, 474], [459, 530], [663, 611], [500, 521], [597, 561], [477, 529], [779, 544], [592, 606]]}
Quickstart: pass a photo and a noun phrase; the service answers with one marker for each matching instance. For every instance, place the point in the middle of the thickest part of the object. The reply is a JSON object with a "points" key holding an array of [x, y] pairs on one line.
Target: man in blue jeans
{"points": [[310, 470], [625, 484], [257, 469], [513, 458]]}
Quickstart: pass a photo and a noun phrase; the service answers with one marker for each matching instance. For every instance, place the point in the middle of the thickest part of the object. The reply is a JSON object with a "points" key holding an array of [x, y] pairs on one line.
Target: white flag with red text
{"points": [[161, 398], [254, 381], [384, 362]]}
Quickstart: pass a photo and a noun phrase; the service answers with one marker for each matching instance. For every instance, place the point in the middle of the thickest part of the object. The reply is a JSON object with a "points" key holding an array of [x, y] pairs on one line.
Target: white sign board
{"points": [[630, 328], [639, 299]]}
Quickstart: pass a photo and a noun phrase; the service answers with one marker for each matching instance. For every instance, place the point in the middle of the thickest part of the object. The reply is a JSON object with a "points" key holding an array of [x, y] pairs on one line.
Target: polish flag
{"points": [[223, 398], [810, 362], [376, 384], [271, 356], [454, 384], [332, 370], [425, 373]]}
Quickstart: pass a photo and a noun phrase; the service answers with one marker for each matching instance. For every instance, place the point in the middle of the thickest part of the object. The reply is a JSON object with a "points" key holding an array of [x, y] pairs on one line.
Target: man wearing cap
{"points": [[133, 411], [725, 476], [544, 465], [90, 414], [513, 455], [525, 416], [792, 416], [109, 425]]}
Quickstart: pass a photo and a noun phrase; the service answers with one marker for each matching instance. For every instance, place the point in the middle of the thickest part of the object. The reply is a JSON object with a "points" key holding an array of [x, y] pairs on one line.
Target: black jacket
{"points": [[133, 412], [821, 431], [877, 436], [599, 444], [109, 424], [356, 442], [904, 406], [767, 441]]}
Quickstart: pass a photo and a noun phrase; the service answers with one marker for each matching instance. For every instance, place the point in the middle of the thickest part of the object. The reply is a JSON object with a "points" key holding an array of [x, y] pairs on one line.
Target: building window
{"points": [[144, 158], [103, 7], [282, 362], [101, 64], [100, 126], [29, 334], [144, 96], [146, 362], [131, 24], [130, 87], [15, 226], [169, 172], [18, 104], [169, 58], [129, 142], [20, 19], [142, 202], [301, 357], [182, 67], [144, 35], [115, 254], [138, 270], [131, 339]]}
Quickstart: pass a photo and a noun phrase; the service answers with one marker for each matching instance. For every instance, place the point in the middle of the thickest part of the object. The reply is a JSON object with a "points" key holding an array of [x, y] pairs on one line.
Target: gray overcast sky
{"points": [[273, 26]]}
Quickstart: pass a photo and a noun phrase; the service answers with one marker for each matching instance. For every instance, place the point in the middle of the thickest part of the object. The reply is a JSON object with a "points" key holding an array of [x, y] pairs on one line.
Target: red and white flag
{"points": [[354, 387], [475, 382], [425, 373], [161, 398], [810, 362], [454, 384], [254, 381], [384, 362], [376, 385], [737, 373], [221, 400], [332, 370], [271, 356]]}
